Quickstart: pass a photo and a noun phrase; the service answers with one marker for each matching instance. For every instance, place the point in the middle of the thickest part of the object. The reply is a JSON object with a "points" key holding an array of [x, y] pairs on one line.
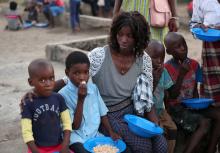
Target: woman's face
{"points": [[125, 39]]}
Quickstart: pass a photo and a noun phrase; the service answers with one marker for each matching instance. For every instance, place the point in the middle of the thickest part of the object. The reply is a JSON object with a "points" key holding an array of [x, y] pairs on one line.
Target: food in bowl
{"points": [[105, 149]]}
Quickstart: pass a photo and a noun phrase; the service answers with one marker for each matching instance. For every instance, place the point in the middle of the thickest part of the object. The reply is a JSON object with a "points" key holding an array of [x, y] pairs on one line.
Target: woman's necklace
{"points": [[122, 63], [125, 64], [123, 68]]}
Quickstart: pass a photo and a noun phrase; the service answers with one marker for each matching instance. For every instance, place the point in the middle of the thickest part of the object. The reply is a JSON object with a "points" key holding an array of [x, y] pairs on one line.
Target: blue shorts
{"points": [[55, 10]]}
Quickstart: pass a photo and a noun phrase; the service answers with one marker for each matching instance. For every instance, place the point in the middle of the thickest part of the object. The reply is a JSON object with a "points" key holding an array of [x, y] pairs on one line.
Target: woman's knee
{"points": [[159, 144]]}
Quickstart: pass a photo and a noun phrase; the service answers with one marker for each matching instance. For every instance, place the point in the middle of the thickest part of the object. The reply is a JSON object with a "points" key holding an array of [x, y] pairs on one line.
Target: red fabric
{"points": [[59, 3], [11, 16], [50, 149], [211, 70], [190, 6], [189, 81]]}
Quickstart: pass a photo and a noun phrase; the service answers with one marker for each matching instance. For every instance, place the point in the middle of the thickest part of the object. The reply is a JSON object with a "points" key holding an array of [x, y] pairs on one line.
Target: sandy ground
{"points": [[17, 49]]}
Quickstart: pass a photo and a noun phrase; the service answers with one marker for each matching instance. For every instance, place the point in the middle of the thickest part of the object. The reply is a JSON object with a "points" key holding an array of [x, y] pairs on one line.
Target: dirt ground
{"points": [[17, 49]]}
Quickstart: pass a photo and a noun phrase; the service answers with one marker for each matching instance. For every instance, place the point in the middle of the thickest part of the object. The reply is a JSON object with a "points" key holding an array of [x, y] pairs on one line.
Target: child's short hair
{"points": [[76, 58], [13, 5], [171, 38], [37, 64]]}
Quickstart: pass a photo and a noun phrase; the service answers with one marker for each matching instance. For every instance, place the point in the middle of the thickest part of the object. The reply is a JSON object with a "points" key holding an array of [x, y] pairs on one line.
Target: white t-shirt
{"points": [[206, 12]]}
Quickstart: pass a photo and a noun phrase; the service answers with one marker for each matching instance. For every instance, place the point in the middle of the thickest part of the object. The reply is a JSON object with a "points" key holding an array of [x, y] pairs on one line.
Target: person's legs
{"points": [[190, 121], [167, 123], [136, 143], [197, 136], [46, 12], [78, 148], [54, 11], [73, 13], [94, 7], [107, 8], [77, 17], [45, 9], [214, 114]]}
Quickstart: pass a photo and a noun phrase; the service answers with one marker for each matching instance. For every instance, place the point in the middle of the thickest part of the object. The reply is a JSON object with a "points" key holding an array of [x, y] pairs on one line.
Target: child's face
{"points": [[178, 49], [125, 39], [157, 56], [78, 73], [43, 81], [157, 62]]}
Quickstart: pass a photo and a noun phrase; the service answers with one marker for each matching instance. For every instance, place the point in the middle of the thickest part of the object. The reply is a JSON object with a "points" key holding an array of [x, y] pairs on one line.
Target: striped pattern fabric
{"points": [[211, 69], [137, 144], [142, 6]]}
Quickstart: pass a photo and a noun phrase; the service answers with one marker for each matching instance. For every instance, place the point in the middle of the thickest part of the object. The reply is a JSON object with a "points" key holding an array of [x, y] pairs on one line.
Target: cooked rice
{"points": [[105, 149]]}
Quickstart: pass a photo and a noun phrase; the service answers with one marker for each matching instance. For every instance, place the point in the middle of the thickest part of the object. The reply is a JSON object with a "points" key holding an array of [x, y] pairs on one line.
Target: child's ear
{"points": [[30, 81]]}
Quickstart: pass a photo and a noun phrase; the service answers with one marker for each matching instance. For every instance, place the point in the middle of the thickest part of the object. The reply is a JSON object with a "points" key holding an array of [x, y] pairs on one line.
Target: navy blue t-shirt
{"points": [[44, 113]]}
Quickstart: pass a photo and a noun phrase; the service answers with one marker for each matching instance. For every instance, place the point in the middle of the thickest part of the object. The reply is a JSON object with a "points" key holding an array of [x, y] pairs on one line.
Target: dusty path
{"points": [[17, 49]]}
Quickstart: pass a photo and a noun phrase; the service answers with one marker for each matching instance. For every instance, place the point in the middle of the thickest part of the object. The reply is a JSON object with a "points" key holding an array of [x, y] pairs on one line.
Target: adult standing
{"points": [[143, 6], [74, 15], [206, 14]]}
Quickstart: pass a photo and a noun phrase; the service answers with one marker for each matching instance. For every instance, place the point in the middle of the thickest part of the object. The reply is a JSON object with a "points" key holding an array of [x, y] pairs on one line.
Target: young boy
{"points": [[32, 12], [14, 19], [87, 109], [162, 83], [41, 126], [185, 73]]}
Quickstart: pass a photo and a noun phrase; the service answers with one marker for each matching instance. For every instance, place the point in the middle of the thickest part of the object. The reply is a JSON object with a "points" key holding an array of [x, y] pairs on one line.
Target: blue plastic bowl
{"points": [[91, 143], [41, 25], [197, 103], [27, 25], [142, 127], [211, 35]]}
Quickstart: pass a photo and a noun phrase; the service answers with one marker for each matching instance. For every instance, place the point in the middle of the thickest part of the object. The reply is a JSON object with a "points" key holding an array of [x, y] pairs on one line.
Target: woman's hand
{"points": [[29, 95], [114, 135], [173, 27], [202, 26]]}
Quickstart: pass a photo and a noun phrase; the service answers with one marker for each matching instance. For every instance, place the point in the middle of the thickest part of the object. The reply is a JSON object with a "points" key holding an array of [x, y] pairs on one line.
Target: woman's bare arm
{"points": [[117, 7]]}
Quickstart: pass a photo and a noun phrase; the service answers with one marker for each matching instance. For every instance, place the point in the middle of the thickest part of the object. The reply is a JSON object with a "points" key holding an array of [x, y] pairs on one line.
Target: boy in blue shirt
{"points": [[87, 109], [42, 117]]}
